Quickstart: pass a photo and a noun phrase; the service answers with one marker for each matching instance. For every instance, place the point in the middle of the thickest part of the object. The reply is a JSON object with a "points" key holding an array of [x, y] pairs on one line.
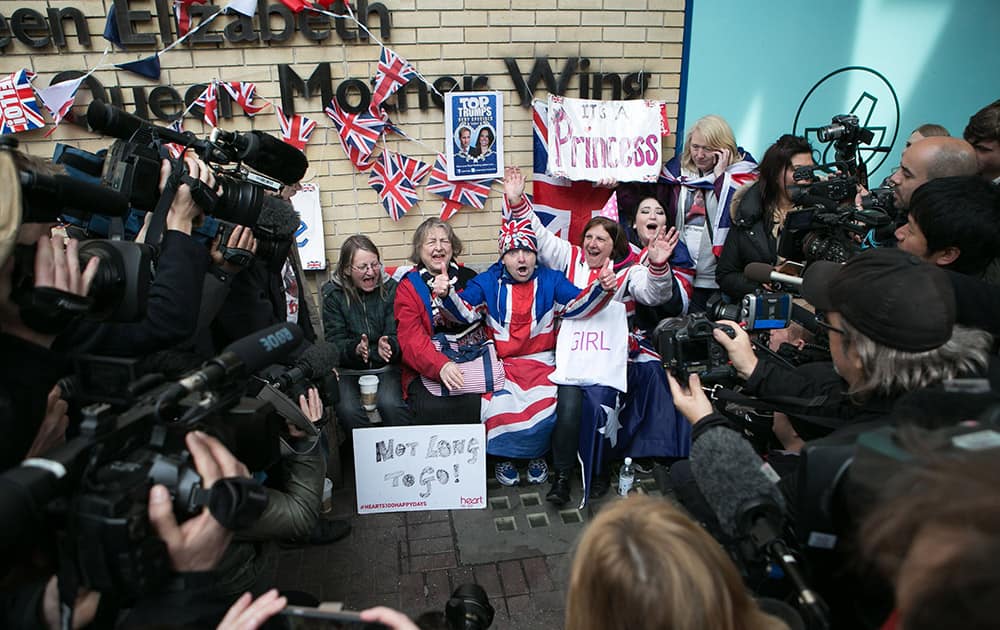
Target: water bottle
{"points": [[626, 477]]}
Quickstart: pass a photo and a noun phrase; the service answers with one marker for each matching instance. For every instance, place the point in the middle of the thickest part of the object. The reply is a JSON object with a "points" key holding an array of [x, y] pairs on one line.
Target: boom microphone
{"points": [[764, 273], [315, 362], [277, 217]]}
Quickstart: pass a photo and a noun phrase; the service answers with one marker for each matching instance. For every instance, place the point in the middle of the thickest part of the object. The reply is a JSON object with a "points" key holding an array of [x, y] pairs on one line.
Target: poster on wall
{"points": [[591, 140], [473, 131], [429, 467], [309, 237]]}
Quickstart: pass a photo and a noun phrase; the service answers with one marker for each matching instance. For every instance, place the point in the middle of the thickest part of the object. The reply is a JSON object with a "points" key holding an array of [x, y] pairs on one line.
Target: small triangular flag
{"points": [[148, 67]]}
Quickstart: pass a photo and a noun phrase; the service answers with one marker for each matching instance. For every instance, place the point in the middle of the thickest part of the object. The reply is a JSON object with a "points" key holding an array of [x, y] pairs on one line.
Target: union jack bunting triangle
{"points": [[392, 73], [296, 130], [176, 150], [243, 93], [358, 133], [395, 190], [58, 99], [209, 101], [456, 194], [414, 169], [19, 109], [182, 9]]}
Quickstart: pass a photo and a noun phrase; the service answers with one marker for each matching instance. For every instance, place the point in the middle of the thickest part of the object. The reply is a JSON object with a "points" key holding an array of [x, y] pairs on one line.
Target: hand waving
{"points": [[513, 185], [662, 245]]}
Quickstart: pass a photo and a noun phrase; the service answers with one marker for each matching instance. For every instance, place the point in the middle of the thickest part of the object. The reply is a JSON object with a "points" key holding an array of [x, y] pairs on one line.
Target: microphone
{"points": [[763, 273], [278, 218], [316, 361], [49, 196], [273, 157], [731, 477], [243, 356]]}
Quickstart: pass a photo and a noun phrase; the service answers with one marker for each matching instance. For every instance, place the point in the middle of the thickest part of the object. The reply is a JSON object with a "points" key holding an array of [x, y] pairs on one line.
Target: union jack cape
{"points": [[358, 133], [395, 190], [243, 93], [562, 205], [392, 73], [738, 174], [21, 111], [296, 130], [456, 194]]}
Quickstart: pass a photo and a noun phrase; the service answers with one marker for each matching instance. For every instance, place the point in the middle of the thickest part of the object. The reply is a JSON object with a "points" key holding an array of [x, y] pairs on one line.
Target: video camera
{"points": [[246, 197], [95, 487], [686, 347]]}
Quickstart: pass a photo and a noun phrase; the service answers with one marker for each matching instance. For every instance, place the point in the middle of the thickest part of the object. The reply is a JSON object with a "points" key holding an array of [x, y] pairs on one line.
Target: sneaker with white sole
{"points": [[506, 473], [538, 471]]}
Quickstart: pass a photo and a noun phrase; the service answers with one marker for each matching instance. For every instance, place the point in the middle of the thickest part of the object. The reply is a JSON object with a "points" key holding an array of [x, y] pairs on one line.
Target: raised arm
{"points": [[553, 252]]}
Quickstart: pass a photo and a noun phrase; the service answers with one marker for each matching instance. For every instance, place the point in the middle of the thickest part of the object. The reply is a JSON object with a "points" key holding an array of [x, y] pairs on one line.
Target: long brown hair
{"points": [[642, 564], [343, 273]]}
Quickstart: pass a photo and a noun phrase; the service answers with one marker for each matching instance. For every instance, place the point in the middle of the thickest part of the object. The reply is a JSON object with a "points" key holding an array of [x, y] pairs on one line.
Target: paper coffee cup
{"points": [[369, 387]]}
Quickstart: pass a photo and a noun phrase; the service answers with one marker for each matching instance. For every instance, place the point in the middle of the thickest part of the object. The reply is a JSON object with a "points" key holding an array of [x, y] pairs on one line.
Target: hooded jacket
{"points": [[751, 239]]}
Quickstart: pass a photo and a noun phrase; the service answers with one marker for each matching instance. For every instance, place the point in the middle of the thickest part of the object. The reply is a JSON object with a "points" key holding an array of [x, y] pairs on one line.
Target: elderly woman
{"points": [[358, 319], [521, 303], [418, 316], [758, 213], [649, 426], [703, 179]]}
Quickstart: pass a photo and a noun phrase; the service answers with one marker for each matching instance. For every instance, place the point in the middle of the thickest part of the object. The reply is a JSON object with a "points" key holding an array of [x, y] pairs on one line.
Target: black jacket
{"points": [[750, 240]]}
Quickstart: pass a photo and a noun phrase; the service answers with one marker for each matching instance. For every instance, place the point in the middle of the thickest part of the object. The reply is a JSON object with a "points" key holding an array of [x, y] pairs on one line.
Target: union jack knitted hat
{"points": [[516, 234]]}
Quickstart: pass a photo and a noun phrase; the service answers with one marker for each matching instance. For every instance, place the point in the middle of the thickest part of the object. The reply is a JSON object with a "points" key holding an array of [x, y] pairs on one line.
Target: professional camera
{"points": [[844, 128], [686, 346], [96, 485], [755, 312], [133, 166]]}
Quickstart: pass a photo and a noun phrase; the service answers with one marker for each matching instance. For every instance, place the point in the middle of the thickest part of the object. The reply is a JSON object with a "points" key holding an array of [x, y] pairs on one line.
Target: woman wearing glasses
{"points": [[358, 319]]}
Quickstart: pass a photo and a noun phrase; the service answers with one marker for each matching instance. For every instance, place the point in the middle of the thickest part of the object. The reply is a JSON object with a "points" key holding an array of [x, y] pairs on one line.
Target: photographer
{"points": [[174, 295], [931, 158]]}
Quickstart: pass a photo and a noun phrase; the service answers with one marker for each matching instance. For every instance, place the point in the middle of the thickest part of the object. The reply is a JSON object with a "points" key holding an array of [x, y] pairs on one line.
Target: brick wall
{"points": [[440, 37]]}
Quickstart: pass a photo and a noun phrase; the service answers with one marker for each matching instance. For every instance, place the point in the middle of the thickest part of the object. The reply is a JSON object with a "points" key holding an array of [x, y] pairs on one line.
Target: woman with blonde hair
{"points": [[710, 168], [642, 564]]}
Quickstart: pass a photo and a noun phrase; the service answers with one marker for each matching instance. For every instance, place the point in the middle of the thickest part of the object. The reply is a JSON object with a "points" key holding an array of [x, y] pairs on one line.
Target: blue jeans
{"points": [[389, 402]]}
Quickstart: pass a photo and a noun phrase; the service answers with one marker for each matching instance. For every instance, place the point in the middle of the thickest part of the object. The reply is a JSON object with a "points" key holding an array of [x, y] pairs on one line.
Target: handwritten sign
{"points": [[309, 237], [429, 467], [591, 140]]}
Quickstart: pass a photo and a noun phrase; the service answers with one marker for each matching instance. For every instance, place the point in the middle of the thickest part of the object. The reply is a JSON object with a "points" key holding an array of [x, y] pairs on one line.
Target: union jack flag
{"points": [[181, 9], [392, 73], [395, 190], [414, 169], [19, 109], [243, 93], [209, 101], [358, 133], [456, 194], [562, 205], [296, 130], [176, 150]]}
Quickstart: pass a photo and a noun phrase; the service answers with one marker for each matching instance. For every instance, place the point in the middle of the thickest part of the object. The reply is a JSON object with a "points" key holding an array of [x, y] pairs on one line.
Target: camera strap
{"points": [[785, 404]]}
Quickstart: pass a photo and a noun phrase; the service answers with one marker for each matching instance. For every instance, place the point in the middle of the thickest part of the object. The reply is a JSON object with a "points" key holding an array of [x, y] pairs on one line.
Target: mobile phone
{"points": [[337, 618]]}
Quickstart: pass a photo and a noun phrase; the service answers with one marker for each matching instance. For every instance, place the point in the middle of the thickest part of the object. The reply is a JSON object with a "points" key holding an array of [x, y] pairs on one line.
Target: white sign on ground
{"points": [[429, 467]]}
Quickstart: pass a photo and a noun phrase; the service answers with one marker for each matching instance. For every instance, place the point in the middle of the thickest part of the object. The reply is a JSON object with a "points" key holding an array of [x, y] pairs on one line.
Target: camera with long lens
{"points": [[845, 128], [95, 487], [825, 224], [687, 346]]}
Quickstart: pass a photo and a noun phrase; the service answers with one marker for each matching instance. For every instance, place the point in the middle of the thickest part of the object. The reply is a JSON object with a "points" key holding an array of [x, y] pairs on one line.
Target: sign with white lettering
{"points": [[591, 140], [473, 126], [428, 467], [309, 237]]}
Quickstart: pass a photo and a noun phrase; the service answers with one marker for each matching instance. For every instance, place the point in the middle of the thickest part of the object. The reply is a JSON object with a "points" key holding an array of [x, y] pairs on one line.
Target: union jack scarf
{"points": [[20, 111], [456, 194], [738, 174], [392, 73], [358, 133], [296, 130], [395, 190], [243, 93], [209, 101]]}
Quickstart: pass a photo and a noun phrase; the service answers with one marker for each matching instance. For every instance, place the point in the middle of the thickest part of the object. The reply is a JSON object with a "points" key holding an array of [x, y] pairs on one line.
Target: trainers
{"points": [[538, 471], [506, 474]]}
